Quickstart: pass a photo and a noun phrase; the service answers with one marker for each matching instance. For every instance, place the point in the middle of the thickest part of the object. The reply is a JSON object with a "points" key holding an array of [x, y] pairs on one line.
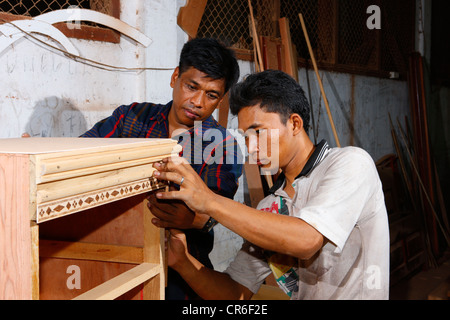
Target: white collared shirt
{"points": [[340, 195]]}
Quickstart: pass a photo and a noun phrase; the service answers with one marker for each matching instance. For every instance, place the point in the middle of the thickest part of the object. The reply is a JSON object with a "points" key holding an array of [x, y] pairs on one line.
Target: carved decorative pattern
{"points": [[66, 206]]}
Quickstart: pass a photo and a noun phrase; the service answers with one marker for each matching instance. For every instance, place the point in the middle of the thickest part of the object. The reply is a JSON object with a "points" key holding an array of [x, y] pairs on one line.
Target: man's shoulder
{"points": [[143, 108], [349, 154]]}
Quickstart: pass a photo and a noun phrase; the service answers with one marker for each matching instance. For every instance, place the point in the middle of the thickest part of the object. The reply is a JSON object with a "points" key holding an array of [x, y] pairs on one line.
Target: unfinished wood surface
{"points": [[59, 276], [34, 260], [224, 110], [271, 52], [254, 183], [190, 16], [256, 43], [118, 223], [90, 251], [57, 16], [290, 60], [123, 283], [101, 242], [98, 181], [15, 233], [154, 252]]}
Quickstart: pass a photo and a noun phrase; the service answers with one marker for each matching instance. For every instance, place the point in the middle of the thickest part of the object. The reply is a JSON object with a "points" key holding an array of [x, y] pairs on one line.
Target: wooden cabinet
{"points": [[74, 221]]}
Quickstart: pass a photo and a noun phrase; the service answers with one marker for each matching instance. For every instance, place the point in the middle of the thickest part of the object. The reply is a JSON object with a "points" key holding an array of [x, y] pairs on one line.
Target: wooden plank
{"points": [[254, 183], [52, 169], [15, 233], [66, 206], [190, 16], [154, 253], [224, 109], [259, 61], [90, 251], [291, 65], [271, 51], [83, 184], [34, 228], [123, 283]]}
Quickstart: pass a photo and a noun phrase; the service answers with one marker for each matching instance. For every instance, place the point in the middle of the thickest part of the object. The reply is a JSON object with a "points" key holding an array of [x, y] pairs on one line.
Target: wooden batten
{"points": [[62, 167], [82, 184], [123, 283]]}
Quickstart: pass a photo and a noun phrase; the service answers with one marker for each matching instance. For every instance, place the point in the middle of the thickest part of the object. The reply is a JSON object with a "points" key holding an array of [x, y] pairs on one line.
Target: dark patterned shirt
{"points": [[218, 162]]}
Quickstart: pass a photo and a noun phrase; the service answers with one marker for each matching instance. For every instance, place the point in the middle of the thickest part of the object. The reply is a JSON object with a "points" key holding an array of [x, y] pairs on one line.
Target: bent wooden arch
{"points": [[96, 17], [13, 33], [43, 24]]}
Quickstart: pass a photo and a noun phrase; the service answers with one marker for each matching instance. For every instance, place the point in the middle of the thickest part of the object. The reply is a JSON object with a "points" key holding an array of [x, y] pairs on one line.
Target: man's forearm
{"points": [[284, 234], [210, 284]]}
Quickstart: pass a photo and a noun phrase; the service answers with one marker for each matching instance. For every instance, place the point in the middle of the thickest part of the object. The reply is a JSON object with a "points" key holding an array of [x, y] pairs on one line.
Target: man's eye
{"points": [[212, 96], [260, 131]]}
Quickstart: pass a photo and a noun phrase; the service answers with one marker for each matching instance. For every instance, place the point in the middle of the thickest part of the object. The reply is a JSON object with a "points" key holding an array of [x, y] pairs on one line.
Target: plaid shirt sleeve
{"points": [[130, 121], [110, 127], [221, 173]]}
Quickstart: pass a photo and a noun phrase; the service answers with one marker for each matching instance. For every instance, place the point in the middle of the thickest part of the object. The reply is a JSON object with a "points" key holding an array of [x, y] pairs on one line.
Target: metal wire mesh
{"points": [[336, 28], [229, 21], [357, 43], [37, 7]]}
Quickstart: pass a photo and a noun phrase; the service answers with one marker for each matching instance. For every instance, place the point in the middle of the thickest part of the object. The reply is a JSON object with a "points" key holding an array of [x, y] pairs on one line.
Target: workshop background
{"points": [[388, 89]]}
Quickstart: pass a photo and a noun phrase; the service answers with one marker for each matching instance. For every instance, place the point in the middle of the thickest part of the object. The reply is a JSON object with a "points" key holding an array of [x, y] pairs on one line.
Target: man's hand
{"points": [[174, 214], [193, 190], [177, 248]]}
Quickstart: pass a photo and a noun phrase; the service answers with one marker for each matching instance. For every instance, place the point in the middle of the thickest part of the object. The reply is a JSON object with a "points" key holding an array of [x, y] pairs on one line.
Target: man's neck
{"points": [[299, 160]]}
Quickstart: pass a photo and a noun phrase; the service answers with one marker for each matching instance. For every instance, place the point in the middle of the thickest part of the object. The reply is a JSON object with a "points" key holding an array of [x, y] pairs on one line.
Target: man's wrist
{"points": [[209, 225]]}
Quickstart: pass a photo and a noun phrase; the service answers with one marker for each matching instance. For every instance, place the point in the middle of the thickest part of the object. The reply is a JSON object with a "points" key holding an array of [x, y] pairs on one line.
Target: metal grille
{"points": [[37, 7], [318, 16], [229, 21], [357, 44], [337, 30], [397, 39]]}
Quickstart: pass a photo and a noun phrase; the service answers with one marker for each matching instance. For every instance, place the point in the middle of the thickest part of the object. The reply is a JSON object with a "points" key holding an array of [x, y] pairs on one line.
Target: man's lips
{"points": [[191, 114]]}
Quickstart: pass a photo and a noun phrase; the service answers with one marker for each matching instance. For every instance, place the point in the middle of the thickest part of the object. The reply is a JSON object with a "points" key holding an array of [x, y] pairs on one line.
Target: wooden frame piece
{"points": [[123, 283]]}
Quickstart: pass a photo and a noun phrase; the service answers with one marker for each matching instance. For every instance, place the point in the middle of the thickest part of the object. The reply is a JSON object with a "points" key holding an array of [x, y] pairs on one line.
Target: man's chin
{"points": [[268, 168]]}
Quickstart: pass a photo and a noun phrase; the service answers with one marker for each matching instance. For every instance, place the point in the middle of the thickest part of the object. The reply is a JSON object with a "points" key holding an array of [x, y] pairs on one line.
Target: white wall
{"points": [[47, 94]]}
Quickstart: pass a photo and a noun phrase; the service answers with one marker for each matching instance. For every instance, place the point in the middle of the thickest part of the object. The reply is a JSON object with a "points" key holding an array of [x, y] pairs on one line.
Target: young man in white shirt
{"points": [[322, 230]]}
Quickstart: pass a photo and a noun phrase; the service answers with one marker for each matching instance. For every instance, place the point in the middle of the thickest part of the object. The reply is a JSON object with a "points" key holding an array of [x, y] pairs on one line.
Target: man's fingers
{"points": [[170, 195], [173, 164], [175, 233], [168, 176]]}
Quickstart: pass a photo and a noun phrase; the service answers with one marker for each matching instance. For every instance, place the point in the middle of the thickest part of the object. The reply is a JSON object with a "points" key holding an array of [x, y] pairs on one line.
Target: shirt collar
{"points": [[318, 155]]}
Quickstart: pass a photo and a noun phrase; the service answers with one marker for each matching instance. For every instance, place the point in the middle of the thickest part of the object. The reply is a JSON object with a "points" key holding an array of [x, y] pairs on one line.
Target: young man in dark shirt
{"points": [[205, 73]]}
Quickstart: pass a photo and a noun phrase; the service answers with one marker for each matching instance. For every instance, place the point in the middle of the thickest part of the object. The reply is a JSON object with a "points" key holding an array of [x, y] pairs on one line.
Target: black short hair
{"points": [[211, 57], [274, 91]]}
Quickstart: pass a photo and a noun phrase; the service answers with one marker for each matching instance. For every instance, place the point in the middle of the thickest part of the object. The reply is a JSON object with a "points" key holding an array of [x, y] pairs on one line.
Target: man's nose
{"points": [[252, 145], [198, 99]]}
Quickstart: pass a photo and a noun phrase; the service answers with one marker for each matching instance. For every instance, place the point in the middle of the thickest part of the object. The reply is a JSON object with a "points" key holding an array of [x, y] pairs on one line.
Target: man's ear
{"points": [[175, 75], [297, 123]]}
